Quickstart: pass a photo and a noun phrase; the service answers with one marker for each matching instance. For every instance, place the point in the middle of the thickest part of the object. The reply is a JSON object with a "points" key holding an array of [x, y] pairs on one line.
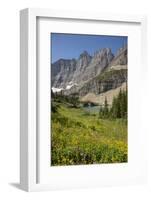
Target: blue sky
{"points": [[70, 46]]}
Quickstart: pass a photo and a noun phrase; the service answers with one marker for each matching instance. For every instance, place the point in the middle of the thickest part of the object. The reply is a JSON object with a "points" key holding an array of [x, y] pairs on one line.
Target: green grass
{"points": [[81, 138]]}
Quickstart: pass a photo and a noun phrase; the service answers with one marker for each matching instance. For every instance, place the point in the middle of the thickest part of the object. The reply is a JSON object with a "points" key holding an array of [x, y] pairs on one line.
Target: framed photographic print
{"points": [[82, 79]]}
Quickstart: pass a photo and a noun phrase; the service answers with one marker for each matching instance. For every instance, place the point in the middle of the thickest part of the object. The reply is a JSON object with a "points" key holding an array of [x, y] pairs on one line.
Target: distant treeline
{"points": [[118, 109], [72, 100]]}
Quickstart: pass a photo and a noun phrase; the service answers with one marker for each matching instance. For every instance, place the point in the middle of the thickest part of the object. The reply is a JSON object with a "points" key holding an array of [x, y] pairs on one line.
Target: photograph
{"points": [[89, 99]]}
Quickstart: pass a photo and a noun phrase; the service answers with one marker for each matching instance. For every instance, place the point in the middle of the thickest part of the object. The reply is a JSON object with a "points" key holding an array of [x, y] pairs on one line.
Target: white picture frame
{"points": [[29, 148]]}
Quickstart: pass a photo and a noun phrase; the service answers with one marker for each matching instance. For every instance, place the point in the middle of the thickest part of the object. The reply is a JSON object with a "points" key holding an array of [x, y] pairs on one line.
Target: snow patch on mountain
{"points": [[56, 89]]}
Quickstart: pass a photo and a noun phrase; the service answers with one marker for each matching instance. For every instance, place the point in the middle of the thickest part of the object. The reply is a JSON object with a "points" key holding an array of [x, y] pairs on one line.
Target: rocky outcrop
{"points": [[90, 74], [99, 99], [105, 81]]}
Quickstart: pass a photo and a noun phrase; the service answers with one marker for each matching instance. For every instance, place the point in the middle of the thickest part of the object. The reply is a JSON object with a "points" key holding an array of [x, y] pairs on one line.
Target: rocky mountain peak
{"points": [[84, 54], [101, 54], [70, 74], [84, 59]]}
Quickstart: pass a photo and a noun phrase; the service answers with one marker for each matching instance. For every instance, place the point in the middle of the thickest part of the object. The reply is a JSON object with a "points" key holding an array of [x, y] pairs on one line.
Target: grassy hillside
{"points": [[79, 137]]}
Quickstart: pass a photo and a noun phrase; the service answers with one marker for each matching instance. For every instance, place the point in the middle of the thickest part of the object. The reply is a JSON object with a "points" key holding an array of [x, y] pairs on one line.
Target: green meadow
{"points": [[81, 137]]}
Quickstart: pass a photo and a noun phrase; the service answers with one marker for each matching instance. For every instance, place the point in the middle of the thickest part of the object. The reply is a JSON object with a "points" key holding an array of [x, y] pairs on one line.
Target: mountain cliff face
{"points": [[94, 66], [62, 72], [67, 73], [90, 74]]}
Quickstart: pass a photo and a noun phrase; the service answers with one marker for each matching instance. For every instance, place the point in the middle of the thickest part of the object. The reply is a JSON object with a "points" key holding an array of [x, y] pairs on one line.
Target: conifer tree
{"points": [[119, 105], [105, 110], [101, 112]]}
